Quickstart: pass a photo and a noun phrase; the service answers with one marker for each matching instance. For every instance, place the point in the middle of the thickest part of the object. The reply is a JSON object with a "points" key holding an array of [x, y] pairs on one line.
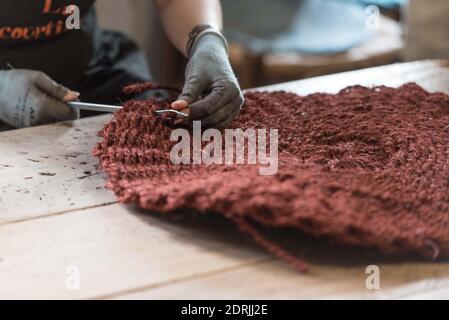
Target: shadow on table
{"points": [[212, 228]]}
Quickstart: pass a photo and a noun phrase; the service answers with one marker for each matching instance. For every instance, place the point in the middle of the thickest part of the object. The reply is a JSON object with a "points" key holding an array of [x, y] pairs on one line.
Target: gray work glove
{"points": [[209, 72], [30, 98]]}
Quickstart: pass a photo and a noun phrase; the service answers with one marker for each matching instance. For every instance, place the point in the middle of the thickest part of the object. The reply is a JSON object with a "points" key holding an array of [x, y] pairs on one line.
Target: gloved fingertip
{"points": [[180, 105], [71, 96]]}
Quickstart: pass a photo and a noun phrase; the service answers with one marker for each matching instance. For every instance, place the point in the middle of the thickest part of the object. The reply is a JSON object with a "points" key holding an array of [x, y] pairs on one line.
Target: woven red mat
{"points": [[367, 167]]}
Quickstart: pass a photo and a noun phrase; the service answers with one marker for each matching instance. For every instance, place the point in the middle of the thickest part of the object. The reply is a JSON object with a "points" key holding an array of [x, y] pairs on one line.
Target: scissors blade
{"points": [[94, 107], [176, 112], [109, 108]]}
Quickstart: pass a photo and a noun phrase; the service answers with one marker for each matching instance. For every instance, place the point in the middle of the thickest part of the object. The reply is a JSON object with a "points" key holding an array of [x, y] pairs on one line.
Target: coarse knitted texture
{"points": [[366, 167]]}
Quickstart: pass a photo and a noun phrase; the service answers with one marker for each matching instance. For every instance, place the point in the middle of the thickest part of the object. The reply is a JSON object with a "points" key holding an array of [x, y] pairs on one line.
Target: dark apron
{"points": [[95, 62]]}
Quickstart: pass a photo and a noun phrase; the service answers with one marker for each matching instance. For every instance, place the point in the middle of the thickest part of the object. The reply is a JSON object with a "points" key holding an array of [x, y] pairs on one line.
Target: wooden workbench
{"points": [[55, 215]]}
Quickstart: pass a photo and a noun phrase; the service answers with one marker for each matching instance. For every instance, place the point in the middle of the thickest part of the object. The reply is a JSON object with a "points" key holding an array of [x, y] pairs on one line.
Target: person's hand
{"points": [[30, 98], [211, 92]]}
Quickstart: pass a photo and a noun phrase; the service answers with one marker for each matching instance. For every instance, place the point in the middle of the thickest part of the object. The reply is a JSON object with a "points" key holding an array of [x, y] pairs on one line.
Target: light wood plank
{"points": [[432, 294], [343, 277], [50, 169], [116, 249], [123, 253]]}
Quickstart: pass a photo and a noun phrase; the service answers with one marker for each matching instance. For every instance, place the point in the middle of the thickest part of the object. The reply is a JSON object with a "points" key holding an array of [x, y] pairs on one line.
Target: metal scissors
{"points": [[111, 109]]}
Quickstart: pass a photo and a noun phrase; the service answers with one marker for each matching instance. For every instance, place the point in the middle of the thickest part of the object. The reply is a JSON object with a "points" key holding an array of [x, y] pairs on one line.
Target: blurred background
{"points": [[276, 41]]}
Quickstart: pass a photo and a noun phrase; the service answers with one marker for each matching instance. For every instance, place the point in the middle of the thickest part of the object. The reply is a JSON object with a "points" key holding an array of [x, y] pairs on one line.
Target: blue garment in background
{"points": [[388, 4], [303, 26]]}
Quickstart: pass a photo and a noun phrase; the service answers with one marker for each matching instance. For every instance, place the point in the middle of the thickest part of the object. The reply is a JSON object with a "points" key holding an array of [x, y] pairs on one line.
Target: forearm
{"points": [[179, 17]]}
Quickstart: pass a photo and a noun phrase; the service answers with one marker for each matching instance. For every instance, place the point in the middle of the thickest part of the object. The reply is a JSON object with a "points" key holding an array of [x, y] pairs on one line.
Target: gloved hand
{"points": [[209, 70], [30, 98]]}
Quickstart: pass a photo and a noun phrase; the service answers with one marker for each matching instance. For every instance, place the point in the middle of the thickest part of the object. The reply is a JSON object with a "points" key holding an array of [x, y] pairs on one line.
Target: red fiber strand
{"points": [[141, 87], [270, 246]]}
